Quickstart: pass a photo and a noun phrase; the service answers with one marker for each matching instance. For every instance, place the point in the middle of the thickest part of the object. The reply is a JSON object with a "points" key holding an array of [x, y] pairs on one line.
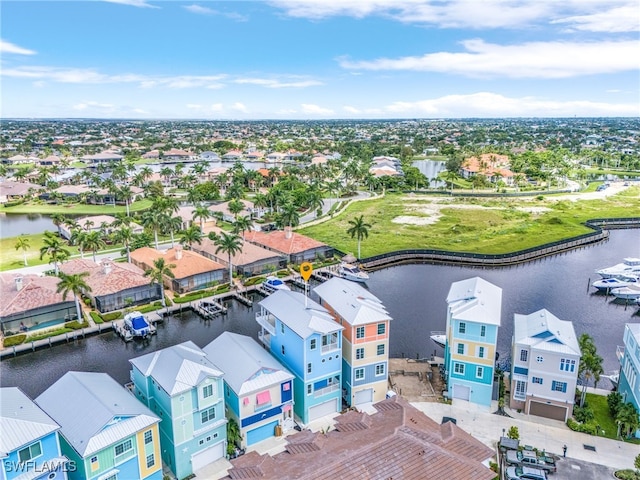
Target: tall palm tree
{"points": [[79, 239], [125, 236], [202, 213], [74, 284], [590, 367], [160, 270], [242, 224], [126, 194], [22, 242], [359, 229], [289, 215], [55, 248], [451, 176], [627, 419], [151, 220], [229, 244], [235, 206], [94, 242], [58, 219], [190, 236]]}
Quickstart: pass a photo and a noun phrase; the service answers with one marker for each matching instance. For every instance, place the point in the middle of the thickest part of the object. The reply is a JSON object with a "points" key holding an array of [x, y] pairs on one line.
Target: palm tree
{"points": [[190, 236], [55, 248], [289, 215], [235, 206], [359, 229], [627, 419], [451, 176], [94, 242], [22, 242], [203, 213], [58, 219], [79, 239], [590, 364], [151, 220], [242, 224], [160, 270], [230, 244], [126, 194], [74, 284], [125, 236]]}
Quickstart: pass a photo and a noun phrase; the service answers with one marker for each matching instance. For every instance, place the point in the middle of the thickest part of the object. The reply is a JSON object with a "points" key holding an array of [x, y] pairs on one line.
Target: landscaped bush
{"points": [[253, 281], [627, 475], [75, 325], [96, 317], [583, 414], [150, 308], [51, 333], [15, 340], [581, 427], [111, 316]]}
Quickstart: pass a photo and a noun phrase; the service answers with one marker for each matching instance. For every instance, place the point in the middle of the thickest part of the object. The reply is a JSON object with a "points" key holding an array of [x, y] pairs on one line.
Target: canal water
{"points": [[12, 225], [413, 294]]}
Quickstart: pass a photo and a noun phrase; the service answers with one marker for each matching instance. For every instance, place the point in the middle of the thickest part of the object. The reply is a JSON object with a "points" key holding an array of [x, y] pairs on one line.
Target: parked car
{"points": [[530, 459], [525, 473]]}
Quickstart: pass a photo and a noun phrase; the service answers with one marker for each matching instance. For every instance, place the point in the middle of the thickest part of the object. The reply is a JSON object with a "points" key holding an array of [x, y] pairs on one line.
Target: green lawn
{"points": [[11, 258], [501, 226], [77, 208], [598, 404]]}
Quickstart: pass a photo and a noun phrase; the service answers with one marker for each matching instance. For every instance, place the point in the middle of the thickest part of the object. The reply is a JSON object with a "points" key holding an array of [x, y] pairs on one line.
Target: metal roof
{"points": [[289, 307], [355, 304], [542, 330], [246, 365], [177, 369], [94, 411], [21, 420], [475, 300]]}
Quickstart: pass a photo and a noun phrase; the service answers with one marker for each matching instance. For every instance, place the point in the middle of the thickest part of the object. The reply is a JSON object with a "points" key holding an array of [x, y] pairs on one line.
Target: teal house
{"points": [[183, 387], [29, 442], [104, 431]]}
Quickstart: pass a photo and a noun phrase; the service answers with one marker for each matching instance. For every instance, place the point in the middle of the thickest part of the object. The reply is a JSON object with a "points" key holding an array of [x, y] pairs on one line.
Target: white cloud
{"points": [[487, 104], [240, 107], [197, 9], [620, 19], [133, 3], [8, 47], [270, 83], [350, 109], [532, 60], [311, 109], [216, 107], [93, 105]]}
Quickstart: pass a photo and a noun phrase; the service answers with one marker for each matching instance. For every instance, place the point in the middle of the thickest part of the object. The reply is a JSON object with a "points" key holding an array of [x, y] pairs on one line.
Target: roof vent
{"points": [[18, 283]]}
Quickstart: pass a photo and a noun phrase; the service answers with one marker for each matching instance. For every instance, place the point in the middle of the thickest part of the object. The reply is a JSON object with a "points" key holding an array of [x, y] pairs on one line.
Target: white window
{"points": [[481, 352], [123, 448], [380, 369], [281, 327], [539, 359], [479, 372], [381, 349], [208, 414], [148, 437], [309, 389], [312, 344], [461, 349], [360, 332], [32, 451], [359, 373], [359, 353], [458, 368], [381, 329], [95, 465], [537, 380], [462, 327], [308, 368], [207, 391], [151, 461], [483, 331], [521, 390], [524, 355], [567, 365]]}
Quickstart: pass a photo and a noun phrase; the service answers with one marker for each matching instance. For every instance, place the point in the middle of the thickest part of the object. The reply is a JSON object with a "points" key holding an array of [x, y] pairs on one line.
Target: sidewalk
{"points": [[542, 433]]}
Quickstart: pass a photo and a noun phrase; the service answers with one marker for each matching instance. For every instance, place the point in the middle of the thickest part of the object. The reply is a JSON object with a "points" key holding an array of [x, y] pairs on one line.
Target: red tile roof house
{"points": [[30, 302], [493, 166], [192, 272], [296, 247], [114, 286], [396, 442], [251, 260]]}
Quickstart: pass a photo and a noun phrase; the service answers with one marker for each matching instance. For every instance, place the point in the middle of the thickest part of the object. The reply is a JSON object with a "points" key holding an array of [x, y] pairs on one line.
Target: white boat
{"points": [[630, 265], [608, 284], [614, 378], [630, 292], [439, 338], [137, 324], [351, 271], [272, 283]]}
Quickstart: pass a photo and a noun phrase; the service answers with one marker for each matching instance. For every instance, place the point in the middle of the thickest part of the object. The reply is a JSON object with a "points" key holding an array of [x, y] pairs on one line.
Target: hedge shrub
{"points": [[581, 427], [96, 317], [15, 340], [111, 316]]}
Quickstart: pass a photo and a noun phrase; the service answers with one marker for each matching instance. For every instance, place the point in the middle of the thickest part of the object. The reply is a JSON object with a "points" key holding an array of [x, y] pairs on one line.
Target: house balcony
{"points": [[326, 390], [332, 347], [267, 321], [265, 338], [620, 353]]}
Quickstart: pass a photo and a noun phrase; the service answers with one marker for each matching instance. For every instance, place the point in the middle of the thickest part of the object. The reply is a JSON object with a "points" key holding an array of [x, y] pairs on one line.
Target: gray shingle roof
{"points": [[475, 300], [289, 307], [352, 302], [177, 369], [94, 411], [21, 420], [246, 365]]}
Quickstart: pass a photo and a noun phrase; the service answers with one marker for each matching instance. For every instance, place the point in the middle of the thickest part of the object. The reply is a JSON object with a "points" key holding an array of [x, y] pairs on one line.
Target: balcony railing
{"points": [[330, 348], [268, 322], [620, 352], [328, 389]]}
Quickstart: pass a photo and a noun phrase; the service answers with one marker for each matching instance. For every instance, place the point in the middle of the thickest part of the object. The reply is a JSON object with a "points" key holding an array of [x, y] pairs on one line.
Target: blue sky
{"points": [[318, 59]]}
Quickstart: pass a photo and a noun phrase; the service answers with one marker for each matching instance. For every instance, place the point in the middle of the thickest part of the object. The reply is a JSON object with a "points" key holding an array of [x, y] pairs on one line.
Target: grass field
{"points": [[11, 258], [468, 225]]}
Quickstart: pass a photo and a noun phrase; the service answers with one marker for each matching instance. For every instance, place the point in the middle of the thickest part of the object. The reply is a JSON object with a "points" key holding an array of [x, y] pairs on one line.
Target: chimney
{"points": [[106, 267], [18, 283], [178, 252], [288, 233]]}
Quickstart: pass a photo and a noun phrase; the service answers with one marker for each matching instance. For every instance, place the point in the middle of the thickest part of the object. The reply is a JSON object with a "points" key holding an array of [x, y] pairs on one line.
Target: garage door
{"points": [[326, 408], [364, 396], [461, 392], [258, 434], [548, 411], [207, 456]]}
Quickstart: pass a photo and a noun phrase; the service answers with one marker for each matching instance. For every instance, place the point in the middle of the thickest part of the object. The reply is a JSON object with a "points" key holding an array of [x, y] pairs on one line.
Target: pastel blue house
{"points": [[183, 387], [258, 389], [304, 337], [104, 431], [629, 356], [473, 318], [29, 443]]}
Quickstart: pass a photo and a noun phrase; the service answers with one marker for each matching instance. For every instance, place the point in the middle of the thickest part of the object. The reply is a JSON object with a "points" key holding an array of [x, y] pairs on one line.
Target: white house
{"points": [[545, 360]]}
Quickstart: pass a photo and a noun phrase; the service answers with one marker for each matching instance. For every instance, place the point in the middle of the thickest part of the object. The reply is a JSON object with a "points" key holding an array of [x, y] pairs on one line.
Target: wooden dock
{"points": [[120, 328], [209, 309]]}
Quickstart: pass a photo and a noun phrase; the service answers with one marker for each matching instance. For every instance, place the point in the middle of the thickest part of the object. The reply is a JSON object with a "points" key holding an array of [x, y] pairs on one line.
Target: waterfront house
{"points": [[29, 443], [297, 248], [251, 260], [183, 387], [11, 191], [175, 155], [493, 166], [222, 209], [258, 390], [102, 158], [397, 441], [365, 339], [473, 318], [104, 431], [96, 223], [545, 359], [192, 271], [209, 156], [303, 336], [629, 356], [31, 302], [114, 285]]}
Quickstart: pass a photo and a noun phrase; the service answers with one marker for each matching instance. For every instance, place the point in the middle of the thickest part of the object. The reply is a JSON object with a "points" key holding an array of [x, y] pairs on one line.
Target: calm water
{"points": [[415, 297], [14, 224], [431, 169]]}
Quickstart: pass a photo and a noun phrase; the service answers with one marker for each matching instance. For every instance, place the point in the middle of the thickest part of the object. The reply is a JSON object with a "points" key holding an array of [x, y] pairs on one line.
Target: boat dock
{"points": [[209, 309], [125, 333]]}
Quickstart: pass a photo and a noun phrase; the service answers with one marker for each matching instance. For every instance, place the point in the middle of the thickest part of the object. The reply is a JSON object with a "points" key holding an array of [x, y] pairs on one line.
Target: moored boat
{"points": [[439, 338], [630, 265], [351, 271], [608, 284], [630, 292], [272, 283], [614, 378], [137, 324]]}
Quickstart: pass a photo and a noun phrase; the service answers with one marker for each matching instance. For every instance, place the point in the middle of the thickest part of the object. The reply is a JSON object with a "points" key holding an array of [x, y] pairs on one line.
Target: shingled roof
{"points": [[397, 442]]}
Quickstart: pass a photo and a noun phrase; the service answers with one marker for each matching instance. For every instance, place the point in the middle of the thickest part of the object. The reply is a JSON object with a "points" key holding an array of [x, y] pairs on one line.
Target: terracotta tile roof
{"points": [[190, 264], [397, 442], [107, 277], [277, 240], [488, 164], [250, 253], [36, 292]]}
